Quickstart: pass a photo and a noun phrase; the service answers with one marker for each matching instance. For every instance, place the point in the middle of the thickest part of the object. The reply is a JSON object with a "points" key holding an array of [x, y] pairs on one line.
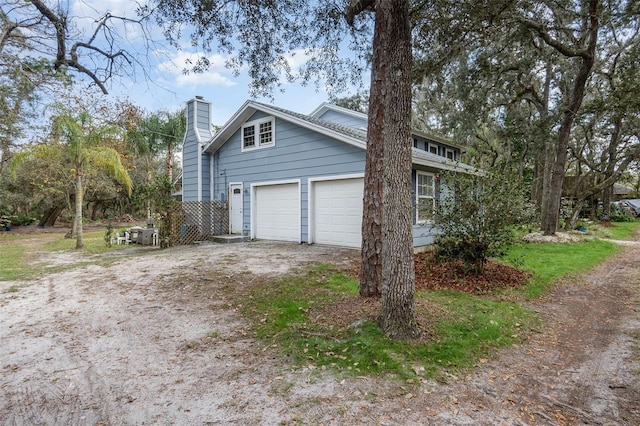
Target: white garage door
{"points": [[338, 212], [277, 212]]}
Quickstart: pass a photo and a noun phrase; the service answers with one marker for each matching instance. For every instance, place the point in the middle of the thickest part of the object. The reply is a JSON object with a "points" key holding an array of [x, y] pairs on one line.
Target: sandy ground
{"points": [[155, 339]]}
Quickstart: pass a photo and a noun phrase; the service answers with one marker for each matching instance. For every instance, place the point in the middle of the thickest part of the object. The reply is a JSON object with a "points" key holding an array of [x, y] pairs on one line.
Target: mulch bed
{"points": [[432, 274]]}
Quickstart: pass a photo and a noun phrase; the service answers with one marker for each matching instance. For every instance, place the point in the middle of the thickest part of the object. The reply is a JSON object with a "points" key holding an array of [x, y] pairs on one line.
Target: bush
{"points": [[22, 220], [619, 214], [476, 216]]}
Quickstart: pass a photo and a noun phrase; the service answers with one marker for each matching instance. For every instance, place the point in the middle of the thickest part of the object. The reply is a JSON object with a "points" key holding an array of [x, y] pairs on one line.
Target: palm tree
{"points": [[85, 143], [76, 141]]}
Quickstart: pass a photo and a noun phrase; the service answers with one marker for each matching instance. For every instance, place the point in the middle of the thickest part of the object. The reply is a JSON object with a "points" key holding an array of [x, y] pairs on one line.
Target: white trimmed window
{"points": [[258, 134], [425, 196], [433, 149], [450, 154]]}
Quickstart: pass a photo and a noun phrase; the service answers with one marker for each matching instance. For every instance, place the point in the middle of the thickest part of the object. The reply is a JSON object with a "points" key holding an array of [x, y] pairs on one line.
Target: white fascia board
{"points": [[229, 128], [452, 167], [325, 106]]}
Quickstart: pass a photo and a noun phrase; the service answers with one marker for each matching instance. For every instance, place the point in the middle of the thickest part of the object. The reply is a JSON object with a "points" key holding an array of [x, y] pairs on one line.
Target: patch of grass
{"points": [[14, 265], [17, 253], [93, 244], [465, 327], [548, 262], [624, 230]]}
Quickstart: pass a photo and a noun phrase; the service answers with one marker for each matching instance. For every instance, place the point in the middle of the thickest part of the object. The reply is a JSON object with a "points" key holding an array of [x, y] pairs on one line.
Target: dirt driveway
{"points": [[155, 339]]}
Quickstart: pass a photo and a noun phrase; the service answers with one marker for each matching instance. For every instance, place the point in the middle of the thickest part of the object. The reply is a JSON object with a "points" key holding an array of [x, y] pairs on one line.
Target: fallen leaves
{"points": [[432, 274]]}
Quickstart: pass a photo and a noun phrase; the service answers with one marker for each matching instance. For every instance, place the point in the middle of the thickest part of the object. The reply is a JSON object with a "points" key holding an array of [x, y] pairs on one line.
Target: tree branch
{"points": [[356, 7], [60, 25]]}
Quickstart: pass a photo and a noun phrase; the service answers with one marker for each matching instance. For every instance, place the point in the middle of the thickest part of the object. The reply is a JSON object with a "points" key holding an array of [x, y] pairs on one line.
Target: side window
{"points": [[425, 193], [450, 154]]}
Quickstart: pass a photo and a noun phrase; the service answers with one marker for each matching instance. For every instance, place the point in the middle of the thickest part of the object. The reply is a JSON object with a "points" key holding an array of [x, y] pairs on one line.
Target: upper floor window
{"points": [[426, 196], [450, 154], [433, 149], [258, 134]]}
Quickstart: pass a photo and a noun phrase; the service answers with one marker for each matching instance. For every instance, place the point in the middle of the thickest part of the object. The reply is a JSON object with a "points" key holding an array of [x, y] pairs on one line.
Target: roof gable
{"points": [[345, 134]]}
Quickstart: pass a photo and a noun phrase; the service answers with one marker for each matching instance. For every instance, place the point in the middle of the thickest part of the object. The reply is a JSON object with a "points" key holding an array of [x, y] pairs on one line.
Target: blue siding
{"points": [[206, 177], [298, 154], [423, 234], [344, 119], [190, 152]]}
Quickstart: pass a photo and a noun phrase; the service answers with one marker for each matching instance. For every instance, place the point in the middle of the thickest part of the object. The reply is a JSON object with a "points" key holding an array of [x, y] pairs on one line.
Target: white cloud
{"points": [[175, 65]]}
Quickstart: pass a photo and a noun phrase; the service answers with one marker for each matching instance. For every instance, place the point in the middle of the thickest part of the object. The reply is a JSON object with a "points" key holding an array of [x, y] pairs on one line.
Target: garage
{"points": [[337, 212], [276, 212]]}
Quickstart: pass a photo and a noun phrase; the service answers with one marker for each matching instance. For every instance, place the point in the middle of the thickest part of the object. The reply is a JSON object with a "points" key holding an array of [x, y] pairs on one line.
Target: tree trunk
{"points": [[147, 180], [571, 108], [372, 211], [78, 215], [548, 152], [606, 203], [50, 216], [392, 65], [170, 161], [575, 214]]}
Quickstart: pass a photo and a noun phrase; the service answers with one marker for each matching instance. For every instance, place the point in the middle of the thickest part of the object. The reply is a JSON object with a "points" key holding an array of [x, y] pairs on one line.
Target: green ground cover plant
{"points": [[94, 243], [13, 262], [459, 328], [549, 262], [624, 230], [18, 252]]}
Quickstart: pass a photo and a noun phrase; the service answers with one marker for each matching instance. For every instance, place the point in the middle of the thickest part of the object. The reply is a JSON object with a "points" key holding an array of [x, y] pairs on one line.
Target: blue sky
{"points": [[158, 82]]}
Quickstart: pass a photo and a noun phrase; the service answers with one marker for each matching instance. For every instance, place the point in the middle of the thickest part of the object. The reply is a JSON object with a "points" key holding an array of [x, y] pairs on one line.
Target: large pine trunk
{"points": [[371, 252], [392, 66]]}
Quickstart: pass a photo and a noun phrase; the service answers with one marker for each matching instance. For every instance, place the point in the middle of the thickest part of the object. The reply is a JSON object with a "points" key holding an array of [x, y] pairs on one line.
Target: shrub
{"points": [[619, 214], [476, 216], [22, 219]]}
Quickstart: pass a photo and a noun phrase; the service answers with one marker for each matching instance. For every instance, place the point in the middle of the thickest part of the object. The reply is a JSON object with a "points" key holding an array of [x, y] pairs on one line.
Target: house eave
{"points": [[325, 106], [440, 139]]}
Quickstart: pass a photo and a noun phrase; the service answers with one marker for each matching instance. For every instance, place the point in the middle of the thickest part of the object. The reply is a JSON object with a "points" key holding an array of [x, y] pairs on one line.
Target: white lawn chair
{"points": [[125, 238]]}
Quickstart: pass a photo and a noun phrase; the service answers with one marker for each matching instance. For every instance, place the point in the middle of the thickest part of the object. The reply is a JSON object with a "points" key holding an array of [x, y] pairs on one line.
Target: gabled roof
{"points": [[325, 106], [346, 134]]}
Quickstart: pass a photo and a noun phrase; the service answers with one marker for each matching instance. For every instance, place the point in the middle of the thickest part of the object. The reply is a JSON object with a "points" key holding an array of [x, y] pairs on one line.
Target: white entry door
{"points": [[235, 208]]}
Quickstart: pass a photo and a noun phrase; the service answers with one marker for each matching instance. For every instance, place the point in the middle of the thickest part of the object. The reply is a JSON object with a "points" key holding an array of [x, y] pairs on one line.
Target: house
{"points": [[293, 177]]}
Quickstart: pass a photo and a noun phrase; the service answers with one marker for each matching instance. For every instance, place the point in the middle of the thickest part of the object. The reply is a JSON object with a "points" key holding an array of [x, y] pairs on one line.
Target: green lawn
{"points": [[624, 230], [463, 328], [18, 252], [548, 262]]}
